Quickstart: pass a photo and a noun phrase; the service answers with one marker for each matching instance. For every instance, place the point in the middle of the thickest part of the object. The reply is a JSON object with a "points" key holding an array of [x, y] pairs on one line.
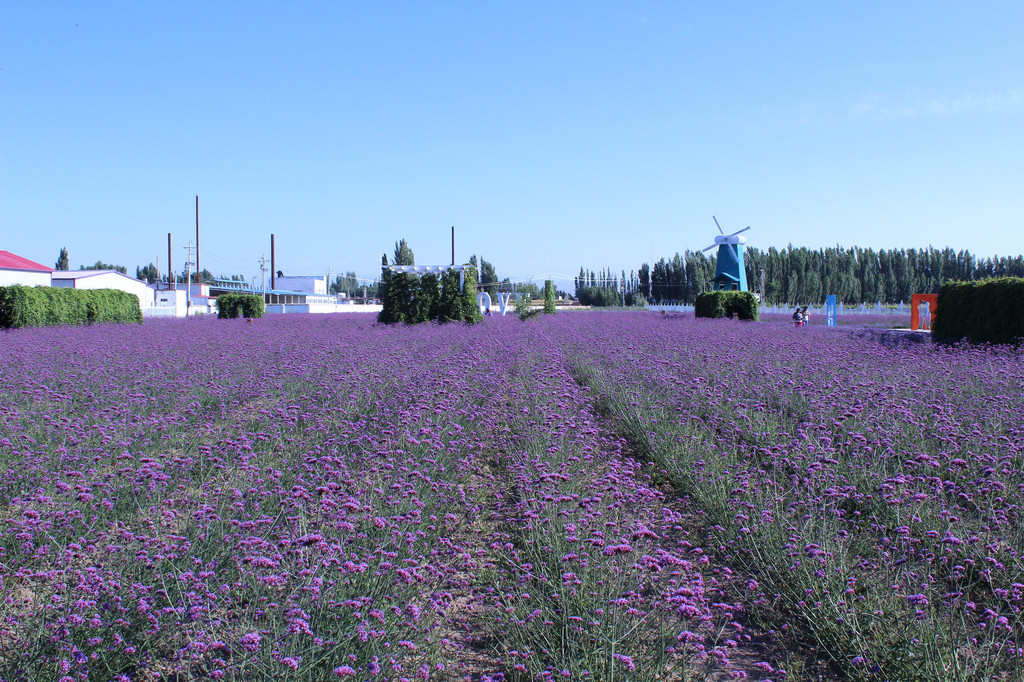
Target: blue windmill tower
{"points": [[730, 275]]}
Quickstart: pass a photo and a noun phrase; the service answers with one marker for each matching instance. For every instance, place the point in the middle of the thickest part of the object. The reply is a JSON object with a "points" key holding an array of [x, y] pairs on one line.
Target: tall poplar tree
{"points": [[62, 260]]}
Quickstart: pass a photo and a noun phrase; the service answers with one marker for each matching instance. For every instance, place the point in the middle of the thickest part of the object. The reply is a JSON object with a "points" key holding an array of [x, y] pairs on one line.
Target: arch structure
{"points": [[420, 270]]}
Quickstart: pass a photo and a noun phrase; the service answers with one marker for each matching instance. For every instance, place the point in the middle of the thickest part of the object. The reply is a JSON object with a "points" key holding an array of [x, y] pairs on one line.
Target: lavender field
{"points": [[591, 496]]}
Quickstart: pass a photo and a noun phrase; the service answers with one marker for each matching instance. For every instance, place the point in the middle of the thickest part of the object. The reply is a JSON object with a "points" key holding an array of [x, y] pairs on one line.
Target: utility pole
{"points": [[197, 238], [329, 273], [763, 302], [453, 245], [172, 281], [263, 271], [188, 276]]}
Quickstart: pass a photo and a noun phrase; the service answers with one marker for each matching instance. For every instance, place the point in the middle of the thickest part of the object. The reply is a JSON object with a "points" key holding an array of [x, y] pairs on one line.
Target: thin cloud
{"points": [[979, 103]]}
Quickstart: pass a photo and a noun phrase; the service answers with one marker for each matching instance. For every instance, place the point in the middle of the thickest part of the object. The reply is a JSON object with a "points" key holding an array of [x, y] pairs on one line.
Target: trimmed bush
{"points": [[709, 304], [988, 311], [717, 304], [230, 306], [549, 297], [426, 296], [22, 306], [449, 304], [470, 307], [398, 297]]}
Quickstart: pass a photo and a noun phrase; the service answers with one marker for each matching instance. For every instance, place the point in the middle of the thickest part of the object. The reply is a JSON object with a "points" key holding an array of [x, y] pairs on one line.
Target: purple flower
{"points": [[250, 641]]}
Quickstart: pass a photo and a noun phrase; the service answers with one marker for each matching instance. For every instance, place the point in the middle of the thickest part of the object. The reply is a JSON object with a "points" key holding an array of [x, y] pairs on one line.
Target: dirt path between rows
{"points": [[760, 654]]}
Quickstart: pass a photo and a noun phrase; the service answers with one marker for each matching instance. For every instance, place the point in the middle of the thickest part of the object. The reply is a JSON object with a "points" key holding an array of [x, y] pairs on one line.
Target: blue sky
{"points": [[550, 134]]}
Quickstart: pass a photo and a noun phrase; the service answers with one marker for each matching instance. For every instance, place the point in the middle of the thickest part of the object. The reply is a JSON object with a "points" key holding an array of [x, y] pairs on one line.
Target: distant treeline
{"points": [[798, 275], [353, 286], [604, 288]]}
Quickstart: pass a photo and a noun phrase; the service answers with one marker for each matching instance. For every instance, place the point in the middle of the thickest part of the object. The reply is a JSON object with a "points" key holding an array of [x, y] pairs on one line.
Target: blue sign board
{"points": [[830, 310]]}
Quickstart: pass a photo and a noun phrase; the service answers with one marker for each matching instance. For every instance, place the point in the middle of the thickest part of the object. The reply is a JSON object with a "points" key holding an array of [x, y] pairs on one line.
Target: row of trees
{"points": [[795, 275], [64, 263], [147, 273], [490, 282], [151, 275], [604, 288], [352, 286], [787, 276], [857, 275]]}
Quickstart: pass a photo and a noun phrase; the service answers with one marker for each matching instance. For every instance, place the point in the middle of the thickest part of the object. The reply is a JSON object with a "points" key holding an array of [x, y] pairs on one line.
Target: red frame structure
{"points": [[915, 309]]}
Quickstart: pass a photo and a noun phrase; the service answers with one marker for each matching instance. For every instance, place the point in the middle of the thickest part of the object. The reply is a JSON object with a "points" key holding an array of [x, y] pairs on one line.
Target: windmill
{"points": [[730, 274]]}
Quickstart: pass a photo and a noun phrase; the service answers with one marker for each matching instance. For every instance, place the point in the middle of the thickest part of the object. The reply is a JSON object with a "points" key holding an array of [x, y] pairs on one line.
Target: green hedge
{"points": [[717, 304], [988, 311], [22, 306], [411, 299], [230, 306]]}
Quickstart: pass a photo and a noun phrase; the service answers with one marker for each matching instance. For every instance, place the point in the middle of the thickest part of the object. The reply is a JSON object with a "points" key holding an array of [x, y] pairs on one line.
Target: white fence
{"points": [[862, 309], [278, 308]]}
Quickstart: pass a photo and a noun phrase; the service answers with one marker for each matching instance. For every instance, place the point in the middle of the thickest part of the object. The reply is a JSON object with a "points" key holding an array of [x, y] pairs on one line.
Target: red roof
{"points": [[9, 261]]}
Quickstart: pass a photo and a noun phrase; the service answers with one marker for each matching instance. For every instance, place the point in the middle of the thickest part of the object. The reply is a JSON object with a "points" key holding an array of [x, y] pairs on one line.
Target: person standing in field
{"points": [[798, 317]]}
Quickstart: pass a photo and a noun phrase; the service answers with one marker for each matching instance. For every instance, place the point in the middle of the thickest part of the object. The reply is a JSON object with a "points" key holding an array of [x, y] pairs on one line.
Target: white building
{"points": [[182, 302], [168, 303], [17, 270], [313, 284], [105, 279]]}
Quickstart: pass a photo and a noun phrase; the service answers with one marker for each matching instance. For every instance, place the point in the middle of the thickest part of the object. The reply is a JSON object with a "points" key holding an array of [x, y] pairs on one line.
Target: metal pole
{"points": [[188, 278], [171, 279], [263, 273], [197, 238], [273, 268], [453, 245]]}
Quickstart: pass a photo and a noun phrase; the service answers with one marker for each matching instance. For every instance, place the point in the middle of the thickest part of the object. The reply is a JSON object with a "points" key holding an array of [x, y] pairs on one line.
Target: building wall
{"points": [[314, 284], [202, 305], [24, 278], [110, 280], [197, 289], [168, 303]]}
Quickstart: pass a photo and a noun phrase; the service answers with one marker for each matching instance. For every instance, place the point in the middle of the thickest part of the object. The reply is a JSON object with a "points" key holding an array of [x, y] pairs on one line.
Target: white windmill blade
{"points": [[720, 230], [740, 231], [709, 247]]}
